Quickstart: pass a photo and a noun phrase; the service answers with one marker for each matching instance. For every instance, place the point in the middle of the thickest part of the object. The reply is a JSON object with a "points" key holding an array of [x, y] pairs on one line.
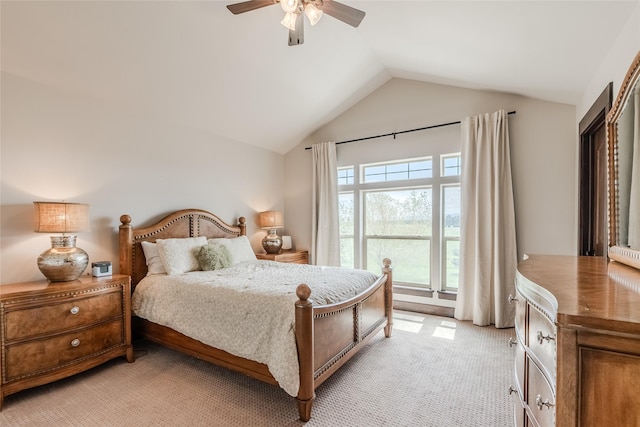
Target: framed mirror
{"points": [[623, 133]]}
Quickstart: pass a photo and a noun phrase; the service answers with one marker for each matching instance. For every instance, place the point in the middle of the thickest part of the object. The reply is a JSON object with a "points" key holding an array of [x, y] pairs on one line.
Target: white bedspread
{"points": [[246, 310]]}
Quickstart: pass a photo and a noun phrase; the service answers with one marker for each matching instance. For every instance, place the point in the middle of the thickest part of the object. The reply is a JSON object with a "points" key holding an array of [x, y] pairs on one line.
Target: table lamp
{"points": [[63, 261], [271, 220]]}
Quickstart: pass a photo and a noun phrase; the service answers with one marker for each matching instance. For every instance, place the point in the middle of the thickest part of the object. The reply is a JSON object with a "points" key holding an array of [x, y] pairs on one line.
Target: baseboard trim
{"points": [[435, 310]]}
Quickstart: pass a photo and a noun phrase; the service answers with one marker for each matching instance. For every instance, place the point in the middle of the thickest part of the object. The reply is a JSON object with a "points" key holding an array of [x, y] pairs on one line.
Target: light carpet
{"points": [[433, 371]]}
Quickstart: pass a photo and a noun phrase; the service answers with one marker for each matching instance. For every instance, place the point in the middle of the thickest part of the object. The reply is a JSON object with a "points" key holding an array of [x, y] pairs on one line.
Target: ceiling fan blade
{"points": [[342, 12], [296, 37], [247, 6]]}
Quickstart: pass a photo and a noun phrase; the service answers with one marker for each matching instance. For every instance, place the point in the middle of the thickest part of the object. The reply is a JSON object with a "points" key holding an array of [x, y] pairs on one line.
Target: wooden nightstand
{"points": [[292, 257], [53, 330]]}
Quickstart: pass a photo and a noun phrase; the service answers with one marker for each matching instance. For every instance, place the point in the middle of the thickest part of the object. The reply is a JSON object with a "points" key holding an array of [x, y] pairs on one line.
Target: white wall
{"points": [[64, 146], [543, 139], [613, 67]]}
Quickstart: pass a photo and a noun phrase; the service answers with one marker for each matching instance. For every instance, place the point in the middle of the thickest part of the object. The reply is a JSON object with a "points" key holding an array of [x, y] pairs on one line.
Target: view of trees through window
{"points": [[397, 225], [406, 212]]}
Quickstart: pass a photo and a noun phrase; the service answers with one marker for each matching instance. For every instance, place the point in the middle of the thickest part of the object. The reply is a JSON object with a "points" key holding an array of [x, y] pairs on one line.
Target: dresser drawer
{"points": [[36, 356], [519, 414], [542, 342], [521, 313], [520, 368], [540, 397], [69, 312]]}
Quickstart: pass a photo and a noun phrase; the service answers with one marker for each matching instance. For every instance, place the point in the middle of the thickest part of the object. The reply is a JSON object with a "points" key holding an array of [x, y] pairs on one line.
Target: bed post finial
{"points": [[242, 223], [303, 292], [125, 220]]}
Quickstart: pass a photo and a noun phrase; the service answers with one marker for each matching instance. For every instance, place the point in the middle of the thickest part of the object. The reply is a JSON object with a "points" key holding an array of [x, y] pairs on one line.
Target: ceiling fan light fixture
{"points": [[296, 9], [313, 13], [289, 6], [289, 21]]}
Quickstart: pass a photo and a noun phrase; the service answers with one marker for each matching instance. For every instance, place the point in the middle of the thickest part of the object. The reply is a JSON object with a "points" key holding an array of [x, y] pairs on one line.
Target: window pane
{"points": [[346, 224], [452, 264], [451, 210], [398, 212], [345, 213], [374, 174], [398, 171], [398, 168], [452, 165], [346, 252], [345, 176], [421, 169], [410, 259]]}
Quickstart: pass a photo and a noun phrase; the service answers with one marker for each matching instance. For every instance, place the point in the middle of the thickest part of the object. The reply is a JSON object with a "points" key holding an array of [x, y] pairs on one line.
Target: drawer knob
{"points": [[540, 403], [74, 310], [75, 342], [542, 337], [512, 342], [512, 390], [512, 298]]}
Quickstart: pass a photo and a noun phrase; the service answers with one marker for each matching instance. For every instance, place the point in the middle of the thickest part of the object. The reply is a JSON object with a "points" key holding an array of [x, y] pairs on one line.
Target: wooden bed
{"points": [[326, 336]]}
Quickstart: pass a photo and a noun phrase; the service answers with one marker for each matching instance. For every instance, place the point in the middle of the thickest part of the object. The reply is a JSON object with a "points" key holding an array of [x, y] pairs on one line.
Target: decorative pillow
{"points": [[152, 258], [239, 249], [180, 255], [213, 256]]}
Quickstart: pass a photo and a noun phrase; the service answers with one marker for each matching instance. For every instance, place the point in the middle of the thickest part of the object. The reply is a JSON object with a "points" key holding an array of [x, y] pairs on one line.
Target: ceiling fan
{"points": [[295, 10]]}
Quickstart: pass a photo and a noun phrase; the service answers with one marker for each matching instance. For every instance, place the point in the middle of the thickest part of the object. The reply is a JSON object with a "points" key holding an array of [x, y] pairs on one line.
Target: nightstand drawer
{"points": [[34, 357], [68, 313]]}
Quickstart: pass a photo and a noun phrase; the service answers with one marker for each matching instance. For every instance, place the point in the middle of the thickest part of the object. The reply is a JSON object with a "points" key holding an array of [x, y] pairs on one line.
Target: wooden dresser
{"points": [[577, 357], [293, 257], [53, 330]]}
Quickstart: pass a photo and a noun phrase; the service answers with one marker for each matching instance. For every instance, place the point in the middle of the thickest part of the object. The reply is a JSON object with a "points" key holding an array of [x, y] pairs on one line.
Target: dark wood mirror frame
{"points": [[617, 252]]}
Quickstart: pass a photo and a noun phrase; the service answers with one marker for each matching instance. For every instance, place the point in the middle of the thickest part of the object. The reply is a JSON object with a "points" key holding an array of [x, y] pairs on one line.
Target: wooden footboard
{"points": [[327, 336]]}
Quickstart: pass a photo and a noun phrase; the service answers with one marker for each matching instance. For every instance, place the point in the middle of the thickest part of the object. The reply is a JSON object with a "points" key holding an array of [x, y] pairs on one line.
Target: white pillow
{"points": [[239, 249], [180, 255], [152, 258]]}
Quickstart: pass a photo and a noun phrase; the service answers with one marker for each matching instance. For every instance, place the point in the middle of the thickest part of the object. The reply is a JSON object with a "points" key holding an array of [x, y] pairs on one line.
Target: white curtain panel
{"points": [[634, 199], [488, 253], [325, 233]]}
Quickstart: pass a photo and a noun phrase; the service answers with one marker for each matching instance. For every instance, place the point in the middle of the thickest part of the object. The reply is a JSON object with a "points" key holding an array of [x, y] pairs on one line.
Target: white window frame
{"points": [[436, 183]]}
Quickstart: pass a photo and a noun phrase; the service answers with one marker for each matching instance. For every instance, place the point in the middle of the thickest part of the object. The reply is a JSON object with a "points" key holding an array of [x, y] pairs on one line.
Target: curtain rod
{"points": [[401, 132]]}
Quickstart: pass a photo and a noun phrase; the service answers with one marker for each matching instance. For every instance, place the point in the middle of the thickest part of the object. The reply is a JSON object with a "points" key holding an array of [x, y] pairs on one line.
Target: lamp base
{"points": [[272, 243], [64, 261]]}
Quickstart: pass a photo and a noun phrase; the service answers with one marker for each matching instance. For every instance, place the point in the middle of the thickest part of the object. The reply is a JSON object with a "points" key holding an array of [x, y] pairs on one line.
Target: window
{"points": [[408, 211]]}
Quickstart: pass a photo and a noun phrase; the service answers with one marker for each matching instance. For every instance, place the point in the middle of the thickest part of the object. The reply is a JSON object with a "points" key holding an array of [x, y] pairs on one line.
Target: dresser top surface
{"points": [[588, 291]]}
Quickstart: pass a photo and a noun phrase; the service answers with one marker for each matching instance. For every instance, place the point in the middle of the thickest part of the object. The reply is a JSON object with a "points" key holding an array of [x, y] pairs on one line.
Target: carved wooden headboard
{"points": [[183, 223]]}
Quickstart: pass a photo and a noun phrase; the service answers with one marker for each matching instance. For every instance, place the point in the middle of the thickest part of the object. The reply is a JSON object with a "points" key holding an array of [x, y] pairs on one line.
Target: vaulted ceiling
{"points": [[195, 63]]}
